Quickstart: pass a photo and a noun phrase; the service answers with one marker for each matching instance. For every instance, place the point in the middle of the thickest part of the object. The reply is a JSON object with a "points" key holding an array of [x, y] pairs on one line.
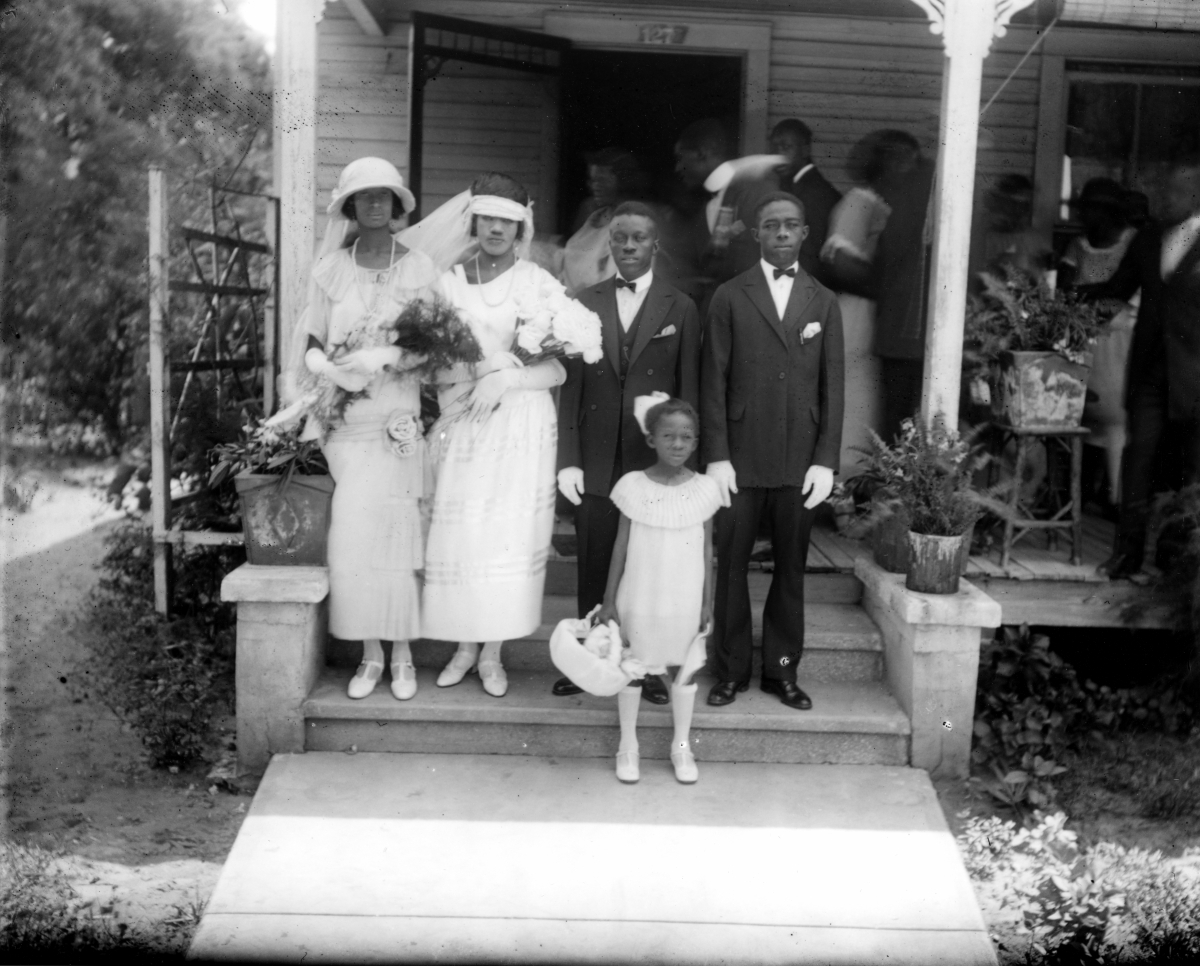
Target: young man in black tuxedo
{"points": [[651, 344], [792, 138], [771, 399]]}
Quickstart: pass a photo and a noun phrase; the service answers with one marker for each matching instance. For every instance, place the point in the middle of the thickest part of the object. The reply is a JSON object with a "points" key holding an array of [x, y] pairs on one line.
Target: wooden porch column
{"points": [[295, 134], [967, 28]]}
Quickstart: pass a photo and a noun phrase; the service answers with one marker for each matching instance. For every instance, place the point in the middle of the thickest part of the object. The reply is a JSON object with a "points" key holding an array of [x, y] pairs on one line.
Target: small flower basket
{"points": [[593, 656], [1035, 343], [285, 491]]}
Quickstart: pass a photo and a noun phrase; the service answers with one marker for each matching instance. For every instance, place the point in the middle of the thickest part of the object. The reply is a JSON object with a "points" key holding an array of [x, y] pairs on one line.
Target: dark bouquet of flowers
{"points": [[430, 329], [433, 328]]}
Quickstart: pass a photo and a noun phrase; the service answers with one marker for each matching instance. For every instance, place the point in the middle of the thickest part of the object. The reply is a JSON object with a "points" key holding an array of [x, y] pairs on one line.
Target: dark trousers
{"points": [[737, 527], [596, 521], [1148, 430], [902, 384]]}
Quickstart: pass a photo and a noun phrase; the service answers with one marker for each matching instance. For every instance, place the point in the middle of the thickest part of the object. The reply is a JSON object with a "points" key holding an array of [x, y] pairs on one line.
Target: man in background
{"points": [[792, 138]]}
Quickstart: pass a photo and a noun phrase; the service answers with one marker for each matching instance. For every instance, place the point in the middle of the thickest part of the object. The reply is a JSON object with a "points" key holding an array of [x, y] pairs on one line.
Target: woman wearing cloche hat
{"points": [[363, 278]]}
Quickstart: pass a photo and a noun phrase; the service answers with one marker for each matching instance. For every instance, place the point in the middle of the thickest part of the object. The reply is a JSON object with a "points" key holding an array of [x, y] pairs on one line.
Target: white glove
{"points": [[370, 362], [318, 364], [497, 361], [570, 483], [818, 484], [488, 391], [725, 477]]}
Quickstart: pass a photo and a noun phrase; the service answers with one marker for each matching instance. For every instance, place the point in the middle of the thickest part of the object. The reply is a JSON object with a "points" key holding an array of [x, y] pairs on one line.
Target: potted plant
{"points": [[928, 474], [285, 490], [1035, 341]]}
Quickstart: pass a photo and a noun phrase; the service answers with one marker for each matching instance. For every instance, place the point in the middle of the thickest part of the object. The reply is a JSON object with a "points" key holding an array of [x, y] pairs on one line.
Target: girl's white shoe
{"points": [[404, 681], [458, 668], [685, 765], [365, 679], [495, 681], [627, 767]]}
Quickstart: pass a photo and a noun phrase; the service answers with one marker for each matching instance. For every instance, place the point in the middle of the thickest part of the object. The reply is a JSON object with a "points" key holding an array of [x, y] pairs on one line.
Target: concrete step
{"points": [[855, 722], [841, 644], [486, 859], [820, 587]]}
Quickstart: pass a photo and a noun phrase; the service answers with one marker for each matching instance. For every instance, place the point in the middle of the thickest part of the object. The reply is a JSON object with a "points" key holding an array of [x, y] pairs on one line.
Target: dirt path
{"points": [[139, 845]]}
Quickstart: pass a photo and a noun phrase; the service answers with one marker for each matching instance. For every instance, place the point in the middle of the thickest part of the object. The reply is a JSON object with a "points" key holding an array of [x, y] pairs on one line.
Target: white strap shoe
{"points": [[458, 668], [495, 681], [684, 761], [365, 679], [627, 767], [404, 681]]}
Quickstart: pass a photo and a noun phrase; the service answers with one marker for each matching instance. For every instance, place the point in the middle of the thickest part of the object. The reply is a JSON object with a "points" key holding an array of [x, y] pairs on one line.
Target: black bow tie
{"points": [[623, 283], [780, 272]]}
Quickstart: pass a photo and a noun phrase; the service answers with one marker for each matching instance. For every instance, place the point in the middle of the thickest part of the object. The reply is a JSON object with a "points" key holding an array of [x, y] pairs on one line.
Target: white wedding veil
{"points": [[445, 234]]}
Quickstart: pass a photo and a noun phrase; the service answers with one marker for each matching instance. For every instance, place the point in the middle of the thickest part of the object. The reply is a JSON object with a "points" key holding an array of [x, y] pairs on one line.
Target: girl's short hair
{"points": [[351, 212], [502, 186], [670, 407]]}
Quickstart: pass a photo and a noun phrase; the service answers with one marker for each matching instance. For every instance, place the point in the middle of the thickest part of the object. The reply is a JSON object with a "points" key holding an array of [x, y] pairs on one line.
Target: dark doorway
{"points": [[640, 102]]}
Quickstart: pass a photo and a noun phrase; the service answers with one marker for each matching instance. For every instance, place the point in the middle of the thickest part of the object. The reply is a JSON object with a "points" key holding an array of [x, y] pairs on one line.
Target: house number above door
{"points": [[662, 33]]}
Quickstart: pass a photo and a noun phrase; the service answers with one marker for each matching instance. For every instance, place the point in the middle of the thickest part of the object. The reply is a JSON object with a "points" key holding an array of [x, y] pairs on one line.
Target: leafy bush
{"points": [[1101, 905], [1031, 708], [167, 677]]}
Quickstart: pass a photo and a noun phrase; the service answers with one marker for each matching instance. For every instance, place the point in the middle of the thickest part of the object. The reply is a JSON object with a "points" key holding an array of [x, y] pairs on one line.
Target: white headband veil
{"points": [[445, 234]]}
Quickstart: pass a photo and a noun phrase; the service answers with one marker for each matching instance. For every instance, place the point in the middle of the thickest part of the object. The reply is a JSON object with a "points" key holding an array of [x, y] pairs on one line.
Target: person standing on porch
{"points": [[771, 397], [905, 184], [492, 512], [1164, 360], [361, 282], [651, 344], [792, 138]]}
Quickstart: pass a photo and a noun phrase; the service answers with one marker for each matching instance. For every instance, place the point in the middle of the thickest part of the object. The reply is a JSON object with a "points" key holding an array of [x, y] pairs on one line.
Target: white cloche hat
{"points": [[366, 173]]}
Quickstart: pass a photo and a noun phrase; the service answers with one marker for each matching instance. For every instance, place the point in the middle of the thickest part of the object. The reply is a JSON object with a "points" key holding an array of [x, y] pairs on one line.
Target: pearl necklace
{"points": [[374, 300], [512, 273]]}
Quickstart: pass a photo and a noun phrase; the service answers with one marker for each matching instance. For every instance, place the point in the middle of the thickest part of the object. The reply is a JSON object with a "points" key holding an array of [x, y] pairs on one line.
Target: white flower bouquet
{"points": [[550, 327]]}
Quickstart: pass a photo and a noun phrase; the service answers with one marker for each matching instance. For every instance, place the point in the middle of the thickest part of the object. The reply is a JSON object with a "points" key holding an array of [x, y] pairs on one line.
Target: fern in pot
{"points": [[285, 490], [1035, 342], [927, 478]]}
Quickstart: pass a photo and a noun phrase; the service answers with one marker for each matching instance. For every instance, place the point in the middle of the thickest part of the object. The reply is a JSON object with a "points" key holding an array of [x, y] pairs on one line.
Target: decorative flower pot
{"points": [[935, 564], [286, 521], [1042, 390], [889, 538]]}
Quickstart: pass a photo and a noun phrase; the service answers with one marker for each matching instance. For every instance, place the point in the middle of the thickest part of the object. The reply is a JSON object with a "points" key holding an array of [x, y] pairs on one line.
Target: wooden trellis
{"points": [[247, 352]]}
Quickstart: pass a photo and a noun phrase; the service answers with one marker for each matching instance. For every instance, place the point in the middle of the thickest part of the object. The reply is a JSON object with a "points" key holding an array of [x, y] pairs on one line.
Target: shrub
{"points": [[167, 677], [1102, 905], [1031, 708]]}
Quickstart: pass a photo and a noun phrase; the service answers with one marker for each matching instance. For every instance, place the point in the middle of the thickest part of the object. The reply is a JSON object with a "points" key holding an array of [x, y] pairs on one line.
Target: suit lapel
{"points": [[759, 293], [610, 324], [654, 311], [802, 293]]}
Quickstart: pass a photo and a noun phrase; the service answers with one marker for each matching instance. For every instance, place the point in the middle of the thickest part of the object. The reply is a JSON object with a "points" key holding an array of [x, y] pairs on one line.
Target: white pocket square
{"points": [[811, 331], [669, 330]]}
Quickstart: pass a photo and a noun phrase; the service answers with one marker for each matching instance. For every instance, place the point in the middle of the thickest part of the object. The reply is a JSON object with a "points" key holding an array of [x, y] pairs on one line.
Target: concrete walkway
{"points": [[462, 858]]}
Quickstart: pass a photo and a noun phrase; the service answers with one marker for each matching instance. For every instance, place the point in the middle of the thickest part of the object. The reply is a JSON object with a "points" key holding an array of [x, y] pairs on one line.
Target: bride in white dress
{"points": [[492, 513]]}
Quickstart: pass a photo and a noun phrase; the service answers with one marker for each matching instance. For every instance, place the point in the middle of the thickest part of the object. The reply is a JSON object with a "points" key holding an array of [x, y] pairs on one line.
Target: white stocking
{"points": [[628, 701], [491, 651], [683, 702], [372, 650], [469, 649], [401, 652]]}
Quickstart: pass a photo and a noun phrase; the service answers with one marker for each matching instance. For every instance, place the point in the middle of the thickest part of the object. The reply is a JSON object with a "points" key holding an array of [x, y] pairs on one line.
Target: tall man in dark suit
{"points": [[771, 430], [651, 344], [1164, 360], [792, 138]]}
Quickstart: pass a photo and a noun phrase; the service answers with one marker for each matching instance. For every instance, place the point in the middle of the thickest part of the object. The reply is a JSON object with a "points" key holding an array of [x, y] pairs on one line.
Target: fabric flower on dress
{"points": [[403, 431]]}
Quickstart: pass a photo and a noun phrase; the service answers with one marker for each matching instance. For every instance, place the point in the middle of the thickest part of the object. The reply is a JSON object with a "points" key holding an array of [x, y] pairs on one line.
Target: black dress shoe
{"points": [[789, 693], [654, 690], [565, 686], [1120, 566], [726, 692]]}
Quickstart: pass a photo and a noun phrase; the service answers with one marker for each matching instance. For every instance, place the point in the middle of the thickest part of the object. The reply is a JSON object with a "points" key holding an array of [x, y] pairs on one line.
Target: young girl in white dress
{"points": [[660, 582], [492, 513]]}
